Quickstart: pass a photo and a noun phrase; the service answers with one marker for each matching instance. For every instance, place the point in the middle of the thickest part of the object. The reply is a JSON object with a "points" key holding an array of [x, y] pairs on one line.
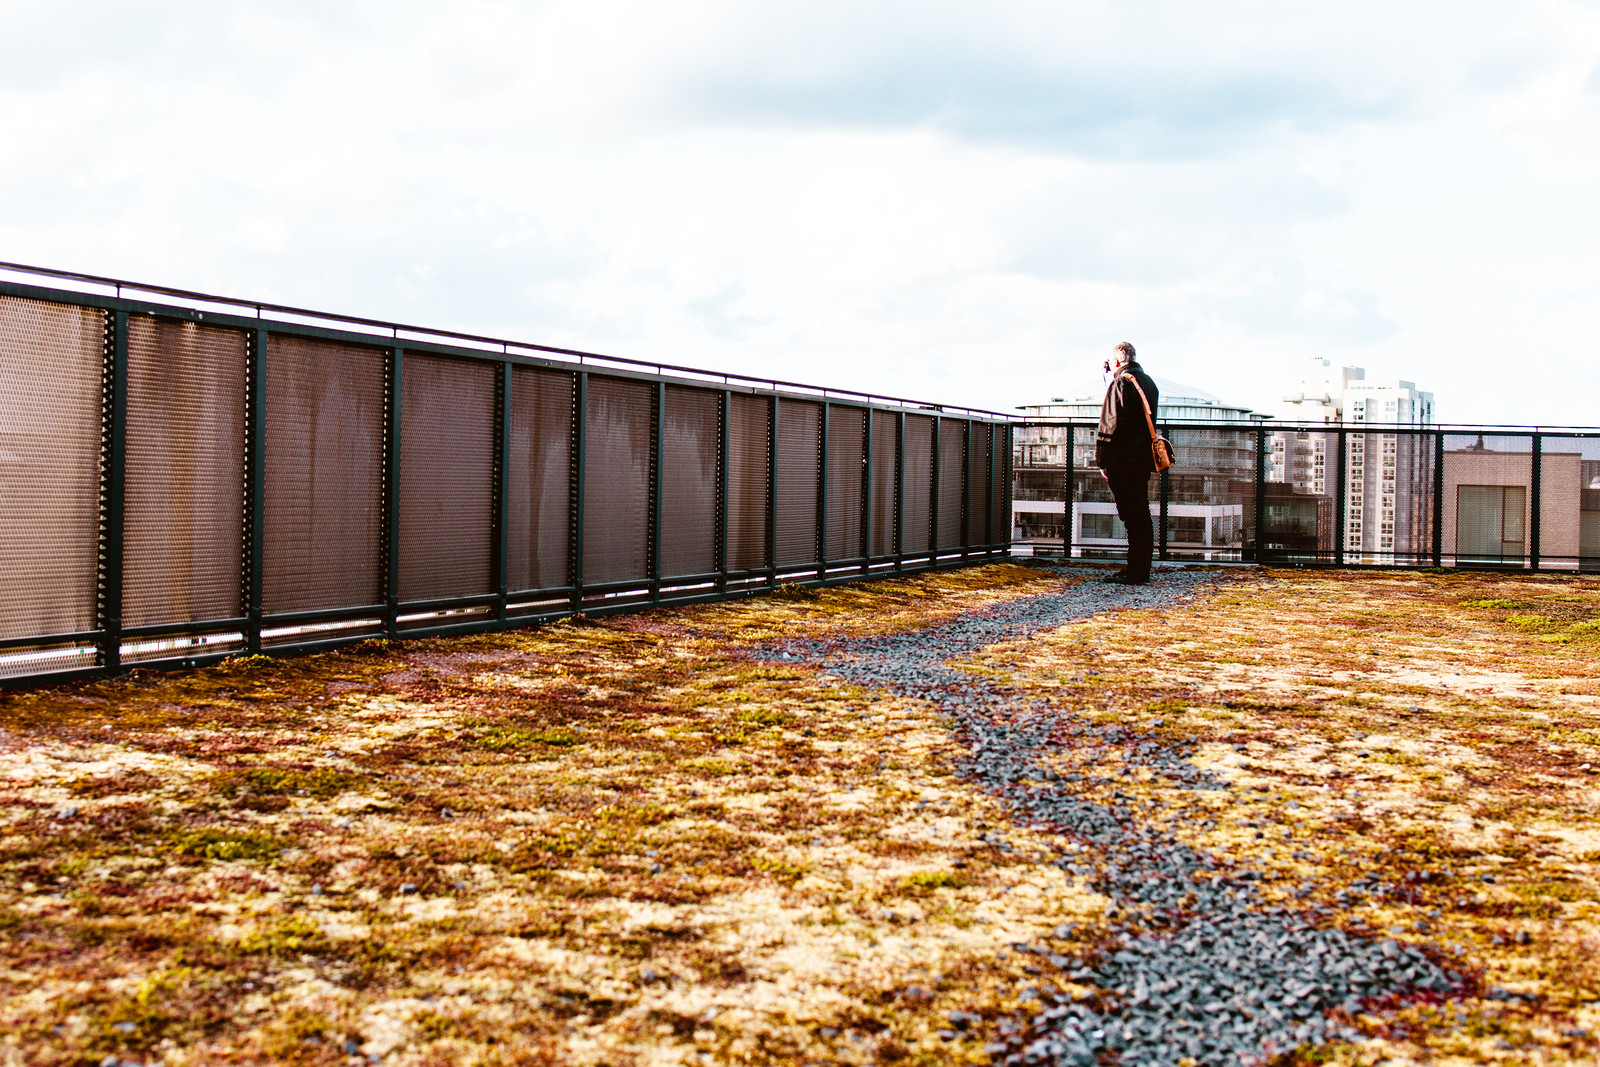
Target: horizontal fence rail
{"points": [[1352, 494], [179, 483]]}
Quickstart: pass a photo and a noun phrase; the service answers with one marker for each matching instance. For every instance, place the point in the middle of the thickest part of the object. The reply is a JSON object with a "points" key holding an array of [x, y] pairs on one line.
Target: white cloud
{"points": [[961, 201]]}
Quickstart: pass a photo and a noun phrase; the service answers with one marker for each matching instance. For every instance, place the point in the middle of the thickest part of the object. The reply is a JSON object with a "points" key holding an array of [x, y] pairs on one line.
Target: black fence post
{"points": [[1166, 493], [255, 467], [1261, 494], [391, 495], [501, 544], [1068, 518], [724, 463], [822, 497], [1438, 499], [658, 459], [772, 497], [115, 422], [580, 432], [1533, 502]]}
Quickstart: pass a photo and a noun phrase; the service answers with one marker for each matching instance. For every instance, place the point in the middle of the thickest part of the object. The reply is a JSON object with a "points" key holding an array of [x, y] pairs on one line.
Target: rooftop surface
{"points": [[941, 819]]}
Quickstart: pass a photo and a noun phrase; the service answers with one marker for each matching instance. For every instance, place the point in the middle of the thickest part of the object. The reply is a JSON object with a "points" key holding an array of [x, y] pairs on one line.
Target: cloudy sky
{"points": [[963, 202]]}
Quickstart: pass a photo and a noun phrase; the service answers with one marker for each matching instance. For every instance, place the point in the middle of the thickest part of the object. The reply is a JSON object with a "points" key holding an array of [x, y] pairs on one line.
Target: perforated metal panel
{"points": [[616, 500], [749, 480], [952, 464], [51, 362], [977, 526], [799, 467], [847, 474], [999, 519], [322, 527], [885, 440], [183, 528], [447, 460], [539, 481], [916, 509], [691, 445]]}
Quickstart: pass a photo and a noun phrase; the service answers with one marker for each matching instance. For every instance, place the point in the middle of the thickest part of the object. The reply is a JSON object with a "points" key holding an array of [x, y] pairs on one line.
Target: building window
{"points": [[1490, 521], [1104, 527]]}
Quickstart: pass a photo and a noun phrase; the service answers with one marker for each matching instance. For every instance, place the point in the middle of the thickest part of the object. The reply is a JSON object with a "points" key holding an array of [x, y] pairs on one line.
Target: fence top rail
{"points": [[1455, 429], [398, 331]]}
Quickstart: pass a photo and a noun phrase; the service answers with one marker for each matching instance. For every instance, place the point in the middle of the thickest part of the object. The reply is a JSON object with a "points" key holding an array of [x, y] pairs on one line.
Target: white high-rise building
{"points": [[1388, 481], [1387, 475], [1315, 391]]}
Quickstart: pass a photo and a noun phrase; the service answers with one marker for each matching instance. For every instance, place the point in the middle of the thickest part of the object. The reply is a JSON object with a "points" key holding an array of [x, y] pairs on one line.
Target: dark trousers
{"points": [[1130, 489]]}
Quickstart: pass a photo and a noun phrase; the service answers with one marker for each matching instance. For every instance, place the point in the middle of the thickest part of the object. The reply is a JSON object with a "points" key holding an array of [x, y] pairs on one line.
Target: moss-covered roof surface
{"points": [[633, 841]]}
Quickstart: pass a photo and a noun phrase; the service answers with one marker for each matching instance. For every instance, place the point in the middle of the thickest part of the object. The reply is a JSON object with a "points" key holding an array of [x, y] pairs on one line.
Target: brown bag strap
{"points": [[1148, 421]]}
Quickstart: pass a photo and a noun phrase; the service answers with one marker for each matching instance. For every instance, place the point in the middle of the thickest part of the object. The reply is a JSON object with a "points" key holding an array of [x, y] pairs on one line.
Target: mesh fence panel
{"points": [[885, 448], [183, 526], [1039, 488], [447, 461], [52, 357], [1569, 499], [1389, 497], [952, 464], [1487, 503], [977, 524], [799, 467], [616, 500], [916, 509], [1300, 506], [749, 489], [847, 475], [691, 447], [322, 530], [1211, 493], [539, 480]]}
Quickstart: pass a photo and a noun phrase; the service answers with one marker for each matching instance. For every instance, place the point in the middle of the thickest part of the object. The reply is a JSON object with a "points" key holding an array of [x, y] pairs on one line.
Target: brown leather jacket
{"points": [[1124, 438]]}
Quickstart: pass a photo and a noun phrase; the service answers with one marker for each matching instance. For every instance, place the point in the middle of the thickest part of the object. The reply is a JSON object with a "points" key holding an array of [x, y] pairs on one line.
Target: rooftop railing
{"points": [[185, 476], [1349, 494]]}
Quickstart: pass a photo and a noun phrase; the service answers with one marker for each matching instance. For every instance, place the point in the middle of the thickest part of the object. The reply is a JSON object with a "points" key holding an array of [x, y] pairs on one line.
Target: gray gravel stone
{"points": [[1201, 966]]}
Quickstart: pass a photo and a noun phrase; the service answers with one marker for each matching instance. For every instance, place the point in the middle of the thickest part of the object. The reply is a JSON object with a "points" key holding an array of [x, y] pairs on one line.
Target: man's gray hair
{"points": [[1125, 350]]}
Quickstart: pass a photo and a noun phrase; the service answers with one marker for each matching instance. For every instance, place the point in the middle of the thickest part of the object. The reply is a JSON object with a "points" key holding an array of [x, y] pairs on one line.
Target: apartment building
{"points": [[1388, 475]]}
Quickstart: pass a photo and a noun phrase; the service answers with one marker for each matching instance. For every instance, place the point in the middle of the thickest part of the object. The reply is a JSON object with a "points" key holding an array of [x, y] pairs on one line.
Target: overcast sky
{"points": [[961, 202]]}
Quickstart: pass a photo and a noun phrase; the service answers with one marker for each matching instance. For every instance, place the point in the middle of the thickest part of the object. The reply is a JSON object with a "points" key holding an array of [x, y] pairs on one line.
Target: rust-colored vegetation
{"points": [[1418, 752], [595, 842], [630, 842]]}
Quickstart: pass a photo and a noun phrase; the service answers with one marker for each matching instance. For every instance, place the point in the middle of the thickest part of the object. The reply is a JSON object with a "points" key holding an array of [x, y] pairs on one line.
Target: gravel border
{"points": [[1200, 967]]}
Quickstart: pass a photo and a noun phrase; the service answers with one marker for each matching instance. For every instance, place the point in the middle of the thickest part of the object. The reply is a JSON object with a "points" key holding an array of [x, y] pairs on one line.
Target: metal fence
{"points": [[183, 481], [1342, 495]]}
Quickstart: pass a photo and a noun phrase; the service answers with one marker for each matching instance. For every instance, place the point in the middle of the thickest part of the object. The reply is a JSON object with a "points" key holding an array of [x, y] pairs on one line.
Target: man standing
{"points": [[1122, 452]]}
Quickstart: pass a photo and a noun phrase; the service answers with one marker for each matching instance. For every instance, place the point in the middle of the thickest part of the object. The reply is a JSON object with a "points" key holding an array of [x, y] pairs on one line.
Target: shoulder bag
{"points": [[1160, 447]]}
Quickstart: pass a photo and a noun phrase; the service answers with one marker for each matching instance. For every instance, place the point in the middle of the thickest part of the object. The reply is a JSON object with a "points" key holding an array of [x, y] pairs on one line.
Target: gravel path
{"points": [[1200, 966]]}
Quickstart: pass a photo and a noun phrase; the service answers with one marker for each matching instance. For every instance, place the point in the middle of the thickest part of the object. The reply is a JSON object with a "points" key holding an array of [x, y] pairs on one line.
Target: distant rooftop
{"points": [[1178, 401]]}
